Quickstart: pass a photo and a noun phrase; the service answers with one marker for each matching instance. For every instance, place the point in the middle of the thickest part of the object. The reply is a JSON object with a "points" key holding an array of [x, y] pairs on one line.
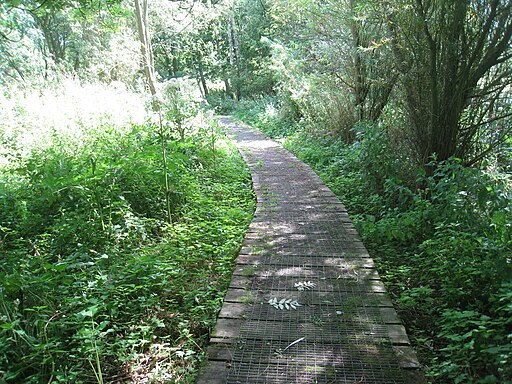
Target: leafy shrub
{"points": [[478, 347], [95, 284], [264, 114], [221, 102], [447, 256]]}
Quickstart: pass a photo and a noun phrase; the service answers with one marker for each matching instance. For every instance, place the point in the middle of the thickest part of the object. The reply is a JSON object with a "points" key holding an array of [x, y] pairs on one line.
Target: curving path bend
{"points": [[305, 304]]}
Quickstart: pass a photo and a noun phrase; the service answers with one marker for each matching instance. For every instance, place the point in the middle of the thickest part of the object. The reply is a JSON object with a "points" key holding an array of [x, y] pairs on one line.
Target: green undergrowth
{"points": [[266, 114], [96, 285], [442, 243]]}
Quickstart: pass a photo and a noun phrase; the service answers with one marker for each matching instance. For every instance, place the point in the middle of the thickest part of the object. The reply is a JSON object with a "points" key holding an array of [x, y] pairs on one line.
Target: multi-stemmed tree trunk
{"points": [[451, 54], [371, 80], [55, 31], [200, 75], [341, 40]]}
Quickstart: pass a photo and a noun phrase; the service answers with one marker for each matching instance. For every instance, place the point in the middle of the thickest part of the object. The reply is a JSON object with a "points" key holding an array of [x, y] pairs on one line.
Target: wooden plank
{"points": [[389, 315], [407, 357], [220, 352], [227, 328], [307, 272], [214, 372], [313, 259], [414, 376], [240, 296], [397, 334], [322, 284], [310, 298], [233, 310], [376, 286], [222, 340], [241, 281]]}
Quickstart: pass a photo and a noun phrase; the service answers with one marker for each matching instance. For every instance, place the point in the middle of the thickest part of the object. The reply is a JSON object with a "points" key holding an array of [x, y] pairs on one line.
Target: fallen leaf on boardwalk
{"points": [[284, 303], [304, 285]]}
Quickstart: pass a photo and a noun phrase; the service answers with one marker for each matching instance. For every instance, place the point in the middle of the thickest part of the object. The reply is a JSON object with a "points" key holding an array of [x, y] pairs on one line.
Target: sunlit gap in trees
{"points": [[38, 117]]}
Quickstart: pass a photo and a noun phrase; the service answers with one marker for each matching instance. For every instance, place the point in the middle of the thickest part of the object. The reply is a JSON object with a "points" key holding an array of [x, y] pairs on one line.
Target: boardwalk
{"points": [[305, 304]]}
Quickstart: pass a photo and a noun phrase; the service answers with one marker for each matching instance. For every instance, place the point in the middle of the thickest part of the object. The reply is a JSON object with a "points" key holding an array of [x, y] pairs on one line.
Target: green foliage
{"points": [[264, 113], [478, 347], [254, 22], [447, 256], [84, 5], [221, 102], [49, 39], [443, 243], [95, 285], [179, 106]]}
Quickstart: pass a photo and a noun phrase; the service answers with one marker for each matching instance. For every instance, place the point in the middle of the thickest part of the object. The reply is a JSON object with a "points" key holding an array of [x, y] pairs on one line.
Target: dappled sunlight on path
{"points": [[305, 304]]}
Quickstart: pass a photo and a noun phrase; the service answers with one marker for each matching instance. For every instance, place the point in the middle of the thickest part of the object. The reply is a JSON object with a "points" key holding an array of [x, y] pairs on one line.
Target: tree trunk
{"points": [[234, 56], [360, 87], [200, 72], [175, 66], [55, 33], [450, 60], [141, 14], [236, 45], [371, 84], [227, 87]]}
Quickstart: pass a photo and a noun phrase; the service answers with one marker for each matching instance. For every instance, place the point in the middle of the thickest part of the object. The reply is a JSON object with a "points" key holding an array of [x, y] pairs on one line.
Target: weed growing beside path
{"points": [[95, 285]]}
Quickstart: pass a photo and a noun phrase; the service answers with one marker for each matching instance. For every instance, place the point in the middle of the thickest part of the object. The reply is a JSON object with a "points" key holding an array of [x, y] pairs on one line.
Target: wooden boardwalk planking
{"points": [[345, 329]]}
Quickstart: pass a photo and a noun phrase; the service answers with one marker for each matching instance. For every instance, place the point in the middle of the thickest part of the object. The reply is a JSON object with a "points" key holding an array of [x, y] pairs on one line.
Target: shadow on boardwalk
{"points": [[305, 304]]}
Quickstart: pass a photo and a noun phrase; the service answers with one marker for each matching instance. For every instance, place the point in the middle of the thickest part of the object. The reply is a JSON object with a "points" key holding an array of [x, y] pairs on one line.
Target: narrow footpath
{"points": [[305, 304]]}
